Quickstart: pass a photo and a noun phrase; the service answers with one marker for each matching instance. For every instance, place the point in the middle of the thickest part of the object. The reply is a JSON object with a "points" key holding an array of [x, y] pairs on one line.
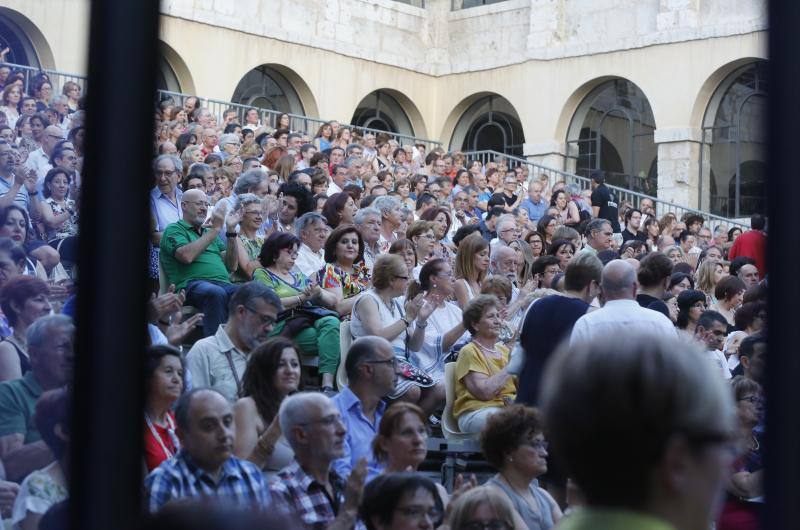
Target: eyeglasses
{"points": [[755, 400], [401, 277], [492, 524], [539, 445], [292, 253], [392, 361], [164, 173], [266, 320], [418, 512]]}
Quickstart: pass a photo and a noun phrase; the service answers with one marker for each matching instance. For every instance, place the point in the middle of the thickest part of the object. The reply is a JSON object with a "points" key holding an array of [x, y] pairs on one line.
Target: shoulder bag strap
{"points": [[229, 356]]}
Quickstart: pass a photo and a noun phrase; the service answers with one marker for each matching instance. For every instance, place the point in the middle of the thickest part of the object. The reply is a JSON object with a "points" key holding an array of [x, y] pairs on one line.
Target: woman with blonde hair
{"points": [[193, 154], [525, 261], [708, 274], [667, 223], [284, 167], [472, 264]]}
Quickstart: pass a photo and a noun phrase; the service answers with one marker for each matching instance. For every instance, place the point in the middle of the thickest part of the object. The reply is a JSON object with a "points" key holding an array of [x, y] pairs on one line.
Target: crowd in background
{"points": [[323, 302]]}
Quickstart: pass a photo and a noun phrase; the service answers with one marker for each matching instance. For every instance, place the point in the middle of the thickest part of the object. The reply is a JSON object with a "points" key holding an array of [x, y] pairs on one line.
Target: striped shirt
{"points": [[241, 484]]}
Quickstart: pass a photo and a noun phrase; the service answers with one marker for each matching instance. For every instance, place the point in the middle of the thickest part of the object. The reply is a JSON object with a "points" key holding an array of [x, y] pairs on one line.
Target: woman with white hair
{"points": [[391, 220], [248, 244], [229, 145]]}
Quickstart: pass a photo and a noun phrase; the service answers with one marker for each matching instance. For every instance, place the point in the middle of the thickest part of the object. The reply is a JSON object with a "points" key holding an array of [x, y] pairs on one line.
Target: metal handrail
{"points": [[297, 122], [216, 106], [56, 78], [662, 207]]}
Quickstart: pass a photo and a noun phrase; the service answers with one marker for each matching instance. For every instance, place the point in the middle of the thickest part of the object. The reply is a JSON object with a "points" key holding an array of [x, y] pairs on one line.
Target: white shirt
{"points": [[719, 362], [333, 188], [39, 162], [621, 317], [309, 262]]}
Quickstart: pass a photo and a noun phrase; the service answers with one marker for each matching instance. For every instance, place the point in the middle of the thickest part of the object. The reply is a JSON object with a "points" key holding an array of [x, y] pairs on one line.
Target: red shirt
{"points": [[752, 244], [154, 452]]}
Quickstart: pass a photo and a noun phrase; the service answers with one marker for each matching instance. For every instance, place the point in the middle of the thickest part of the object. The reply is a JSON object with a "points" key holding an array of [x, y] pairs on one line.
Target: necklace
{"points": [[484, 348], [170, 431]]}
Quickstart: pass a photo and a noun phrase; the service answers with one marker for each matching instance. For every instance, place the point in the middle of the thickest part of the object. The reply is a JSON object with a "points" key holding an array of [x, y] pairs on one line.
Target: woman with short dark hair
{"points": [[308, 317], [729, 292], [345, 275], [164, 372], [60, 214], [691, 305], [398, 501], [513, 443], [23, 299]]}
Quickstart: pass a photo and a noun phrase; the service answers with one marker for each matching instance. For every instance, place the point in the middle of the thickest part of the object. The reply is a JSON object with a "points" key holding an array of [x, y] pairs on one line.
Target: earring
{"points": [[433, 286]]}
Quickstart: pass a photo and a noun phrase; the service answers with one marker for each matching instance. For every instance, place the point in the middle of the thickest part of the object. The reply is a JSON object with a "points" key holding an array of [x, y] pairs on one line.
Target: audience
{"points": [[164, 384]]}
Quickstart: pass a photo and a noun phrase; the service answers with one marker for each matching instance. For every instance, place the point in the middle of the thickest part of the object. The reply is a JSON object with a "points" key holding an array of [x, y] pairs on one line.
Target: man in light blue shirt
{"points": [[372, 375], [165, 198], [535, 204]]}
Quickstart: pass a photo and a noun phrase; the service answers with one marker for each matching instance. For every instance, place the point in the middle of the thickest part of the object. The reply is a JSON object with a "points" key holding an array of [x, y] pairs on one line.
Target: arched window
{"points": [[380, 110], [612, 130], [21, 49], [267, 88], [734, 143], [490, 123], [166, 79]]}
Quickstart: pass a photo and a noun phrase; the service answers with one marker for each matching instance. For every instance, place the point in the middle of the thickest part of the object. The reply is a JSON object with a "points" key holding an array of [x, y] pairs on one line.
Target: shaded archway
{"points": [[173, 74], [391, 111], [487, 121], [734, 143], [615, 115], [27, 45]]}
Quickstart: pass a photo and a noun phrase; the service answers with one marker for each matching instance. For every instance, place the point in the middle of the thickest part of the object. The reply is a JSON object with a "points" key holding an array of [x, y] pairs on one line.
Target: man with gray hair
{"points": [[368, 224], [165, 198], [309, 487], [312, 229], [503, 262], [229, 145], [219, 361], [50, 347], [507, 231], [39, 160], [599, 235], [621, 314]]}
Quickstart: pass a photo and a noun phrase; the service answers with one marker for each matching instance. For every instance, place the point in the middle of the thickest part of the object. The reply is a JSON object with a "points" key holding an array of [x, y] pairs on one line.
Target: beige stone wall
{"points": [[543, 56]]}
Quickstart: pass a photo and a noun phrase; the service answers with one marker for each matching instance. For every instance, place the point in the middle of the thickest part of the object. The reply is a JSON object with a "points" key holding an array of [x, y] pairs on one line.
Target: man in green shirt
{"points": [[194, 259], [22, 450]]}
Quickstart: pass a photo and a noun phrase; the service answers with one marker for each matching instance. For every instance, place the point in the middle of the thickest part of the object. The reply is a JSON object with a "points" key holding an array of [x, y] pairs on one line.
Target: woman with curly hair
{"points": [[273, 372], [513, 443]]}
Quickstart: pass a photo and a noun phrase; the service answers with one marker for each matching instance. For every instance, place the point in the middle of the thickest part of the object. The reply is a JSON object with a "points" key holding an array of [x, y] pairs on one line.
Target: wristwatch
{"points": [[231, 234]]}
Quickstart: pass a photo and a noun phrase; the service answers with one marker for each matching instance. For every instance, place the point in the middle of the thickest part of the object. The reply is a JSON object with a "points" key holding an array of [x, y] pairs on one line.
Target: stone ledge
{"points": [[491, 9], [676, 134]]}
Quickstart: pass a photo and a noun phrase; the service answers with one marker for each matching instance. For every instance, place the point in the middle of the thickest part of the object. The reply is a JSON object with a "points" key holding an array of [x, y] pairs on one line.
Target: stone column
{"points": [[679, 179], [548, 153]]}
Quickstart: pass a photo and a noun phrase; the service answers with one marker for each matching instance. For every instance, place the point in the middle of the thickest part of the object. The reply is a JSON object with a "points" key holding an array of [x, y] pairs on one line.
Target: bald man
{"points": [[194, 258], [620, 314], [39, 160]]}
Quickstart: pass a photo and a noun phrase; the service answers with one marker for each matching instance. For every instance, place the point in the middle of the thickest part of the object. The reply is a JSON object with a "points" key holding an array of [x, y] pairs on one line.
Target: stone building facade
{"points": [[668, 96]]}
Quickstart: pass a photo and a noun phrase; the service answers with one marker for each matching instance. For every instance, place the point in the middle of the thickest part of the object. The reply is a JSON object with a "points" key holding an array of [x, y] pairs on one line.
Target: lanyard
{"points": [[170, 431]]}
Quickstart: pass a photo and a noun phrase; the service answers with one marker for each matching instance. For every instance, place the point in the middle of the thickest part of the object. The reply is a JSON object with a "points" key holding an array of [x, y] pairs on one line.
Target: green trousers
{"points": [[322, 340]]}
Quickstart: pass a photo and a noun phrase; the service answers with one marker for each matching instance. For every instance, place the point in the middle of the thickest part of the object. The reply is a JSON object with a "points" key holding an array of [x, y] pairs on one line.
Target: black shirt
{"points": [[548, 322], [651, 302], [638, 236], [603, 198]]}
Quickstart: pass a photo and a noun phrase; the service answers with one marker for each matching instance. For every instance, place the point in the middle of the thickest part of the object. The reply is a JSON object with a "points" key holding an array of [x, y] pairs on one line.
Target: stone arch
{"points": [[28, 44], [174, 74], [611, 111], [485, 120], [394, 109], [708, 98], [286, 88]]}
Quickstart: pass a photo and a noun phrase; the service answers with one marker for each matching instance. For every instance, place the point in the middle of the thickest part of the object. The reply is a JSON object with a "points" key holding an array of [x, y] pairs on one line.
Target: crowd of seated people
{"points": [[316, 293]]}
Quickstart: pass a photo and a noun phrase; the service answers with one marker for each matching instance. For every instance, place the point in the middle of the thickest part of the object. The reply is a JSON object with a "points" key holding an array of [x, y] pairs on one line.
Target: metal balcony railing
{"points": [[57, 79], [623, 195], [297, 122]]}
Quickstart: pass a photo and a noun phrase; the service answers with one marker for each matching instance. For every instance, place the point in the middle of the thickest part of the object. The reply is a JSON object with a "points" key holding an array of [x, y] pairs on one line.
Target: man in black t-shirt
{"points": [[633, 220], [604, 202]]}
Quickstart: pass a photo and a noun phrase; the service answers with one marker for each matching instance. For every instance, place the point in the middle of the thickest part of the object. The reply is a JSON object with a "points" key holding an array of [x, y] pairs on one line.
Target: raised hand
{"points": [[233, 219], [355, 485], [218, 215], [425, 311], [176, 332], [412, 306]]}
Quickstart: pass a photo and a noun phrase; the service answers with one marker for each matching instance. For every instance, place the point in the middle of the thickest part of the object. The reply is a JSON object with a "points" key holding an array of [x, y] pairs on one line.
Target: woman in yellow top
{"points": [[483, 384]]}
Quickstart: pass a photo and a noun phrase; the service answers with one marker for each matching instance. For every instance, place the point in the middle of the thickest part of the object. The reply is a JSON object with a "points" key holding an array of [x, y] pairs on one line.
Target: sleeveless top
{"points": [[24, 361], [535, 521], [388, 316]]}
